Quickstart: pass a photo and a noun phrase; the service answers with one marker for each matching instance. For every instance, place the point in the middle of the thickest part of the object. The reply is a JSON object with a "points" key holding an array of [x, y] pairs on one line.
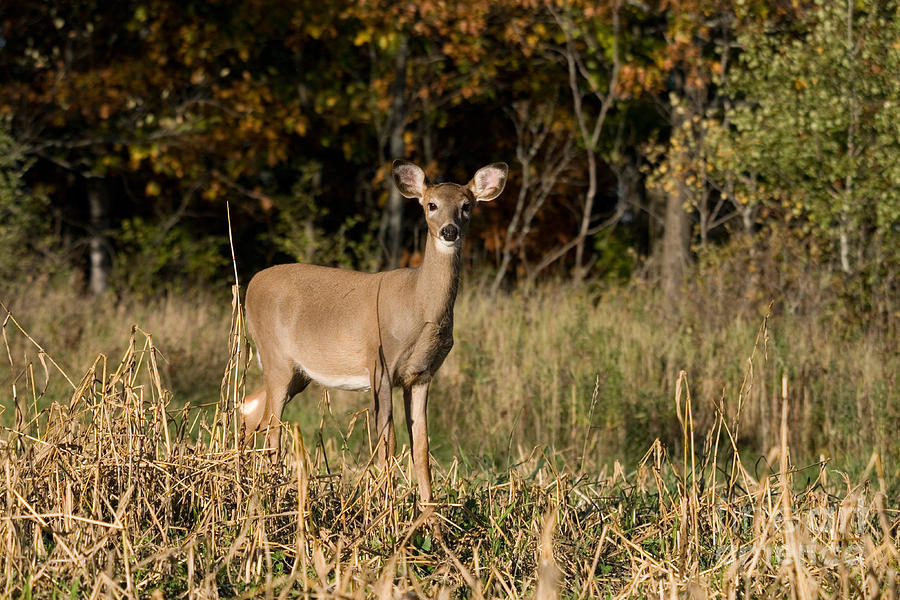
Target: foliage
{"points": [[301, 232], [811, 132], [615, 257], [747, 115], [156, 258], [25, 225], [297, 233]]}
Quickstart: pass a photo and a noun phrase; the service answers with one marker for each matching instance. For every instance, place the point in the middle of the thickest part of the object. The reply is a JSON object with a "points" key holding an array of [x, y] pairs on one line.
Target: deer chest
{"points": [[427, 354]]}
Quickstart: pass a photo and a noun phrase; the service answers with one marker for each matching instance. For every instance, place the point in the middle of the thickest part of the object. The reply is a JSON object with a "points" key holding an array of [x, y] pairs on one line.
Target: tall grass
{"points": [[587, 373], [190, 330], [113, 490], [592, 375]]}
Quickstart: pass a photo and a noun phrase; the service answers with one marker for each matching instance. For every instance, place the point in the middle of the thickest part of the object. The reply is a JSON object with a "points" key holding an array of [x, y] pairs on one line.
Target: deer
{"points": [[361, 331]]}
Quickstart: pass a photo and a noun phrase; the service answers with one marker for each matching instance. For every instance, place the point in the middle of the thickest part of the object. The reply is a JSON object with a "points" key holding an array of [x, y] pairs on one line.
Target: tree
{"points": [[421, 58], [697, 37], [544, 151], [593, 70], [816, 107], [25, 226], [161, 102]]}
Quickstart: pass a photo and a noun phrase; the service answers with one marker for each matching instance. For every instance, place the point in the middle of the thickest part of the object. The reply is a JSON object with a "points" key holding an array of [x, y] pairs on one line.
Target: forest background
{"points": [[681, 172]]}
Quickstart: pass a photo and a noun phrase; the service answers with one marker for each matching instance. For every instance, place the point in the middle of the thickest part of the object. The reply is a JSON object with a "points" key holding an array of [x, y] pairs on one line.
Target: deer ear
{"points": [[410, 179], [488, 182]]}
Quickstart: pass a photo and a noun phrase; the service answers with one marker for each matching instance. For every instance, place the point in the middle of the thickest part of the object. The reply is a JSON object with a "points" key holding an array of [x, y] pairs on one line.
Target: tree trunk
{"points": [[512, 229], [676, 218], [675, 244], [98, 247], [580, 270], [845, 252], [398, 118], [847, 201]]}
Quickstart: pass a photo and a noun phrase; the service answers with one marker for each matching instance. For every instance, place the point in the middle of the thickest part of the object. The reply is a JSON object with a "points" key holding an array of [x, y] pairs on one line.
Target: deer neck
{"points": [[438, 282]]}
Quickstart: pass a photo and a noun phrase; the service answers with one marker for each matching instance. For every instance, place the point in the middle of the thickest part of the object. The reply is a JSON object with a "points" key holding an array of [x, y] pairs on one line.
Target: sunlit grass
{"points": [[113, 487], [587, 373]]}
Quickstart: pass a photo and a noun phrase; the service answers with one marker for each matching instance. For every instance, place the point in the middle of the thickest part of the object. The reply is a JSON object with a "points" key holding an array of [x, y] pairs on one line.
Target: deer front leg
{"points": [[384, 419], [415, 401]]}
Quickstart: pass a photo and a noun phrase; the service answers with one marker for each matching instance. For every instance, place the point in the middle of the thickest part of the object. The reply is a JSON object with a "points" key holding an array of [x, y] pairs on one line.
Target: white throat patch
{"points": [[445, 247]]}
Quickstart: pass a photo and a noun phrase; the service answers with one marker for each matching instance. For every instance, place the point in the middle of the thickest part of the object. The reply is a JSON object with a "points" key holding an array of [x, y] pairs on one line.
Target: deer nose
{"points": [[450, 232]]}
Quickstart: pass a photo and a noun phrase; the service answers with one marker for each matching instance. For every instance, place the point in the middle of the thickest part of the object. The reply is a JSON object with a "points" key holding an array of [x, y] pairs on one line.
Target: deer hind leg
{"points": [[279, 390], [261, 410], [253, 411]]}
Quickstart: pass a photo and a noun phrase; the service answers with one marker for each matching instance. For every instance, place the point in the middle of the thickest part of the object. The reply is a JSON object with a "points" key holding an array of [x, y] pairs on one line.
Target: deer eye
{"points": [[432, 206], [466, 208]]}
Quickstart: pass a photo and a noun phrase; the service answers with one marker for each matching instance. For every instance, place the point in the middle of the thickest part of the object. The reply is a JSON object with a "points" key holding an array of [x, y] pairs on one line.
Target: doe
{"points": [[367, 331]]}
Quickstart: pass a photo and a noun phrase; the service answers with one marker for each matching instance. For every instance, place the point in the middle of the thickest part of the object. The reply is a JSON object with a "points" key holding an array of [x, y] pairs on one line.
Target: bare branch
{"points": [[556, 254]]}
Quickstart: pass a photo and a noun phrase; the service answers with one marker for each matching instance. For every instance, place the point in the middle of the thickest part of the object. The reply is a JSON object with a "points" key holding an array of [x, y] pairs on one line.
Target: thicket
{"points": [[641, 136]]}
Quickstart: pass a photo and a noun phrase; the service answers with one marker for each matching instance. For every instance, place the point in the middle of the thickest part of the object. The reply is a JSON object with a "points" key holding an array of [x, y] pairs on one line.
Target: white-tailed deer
{"points": [[367, 331]]}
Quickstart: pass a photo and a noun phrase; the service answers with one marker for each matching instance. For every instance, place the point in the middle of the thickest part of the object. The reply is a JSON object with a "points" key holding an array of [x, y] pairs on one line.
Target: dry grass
{"points": [[118, 493], [191, 330], [527, 366], [587, 373]]}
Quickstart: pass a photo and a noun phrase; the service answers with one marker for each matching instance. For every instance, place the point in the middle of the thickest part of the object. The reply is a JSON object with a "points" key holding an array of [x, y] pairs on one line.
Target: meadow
{"points": [[685, 384], [589, 441]]}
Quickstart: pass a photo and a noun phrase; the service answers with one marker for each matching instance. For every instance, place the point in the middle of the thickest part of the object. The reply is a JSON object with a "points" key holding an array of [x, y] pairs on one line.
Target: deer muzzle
{"points": [[449, 233]]}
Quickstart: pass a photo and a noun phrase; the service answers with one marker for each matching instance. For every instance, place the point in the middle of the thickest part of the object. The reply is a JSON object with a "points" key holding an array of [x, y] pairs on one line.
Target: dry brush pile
{"points": [[113, 493]]}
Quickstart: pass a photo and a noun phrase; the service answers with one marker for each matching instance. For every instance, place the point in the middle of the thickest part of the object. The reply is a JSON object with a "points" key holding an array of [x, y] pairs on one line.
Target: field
{"points": [[676, 370], [588, 444]]}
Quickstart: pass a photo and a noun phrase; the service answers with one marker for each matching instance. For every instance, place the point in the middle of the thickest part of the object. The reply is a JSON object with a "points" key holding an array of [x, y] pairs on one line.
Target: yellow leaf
{"points": [[152, 189], [362, 37]]}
